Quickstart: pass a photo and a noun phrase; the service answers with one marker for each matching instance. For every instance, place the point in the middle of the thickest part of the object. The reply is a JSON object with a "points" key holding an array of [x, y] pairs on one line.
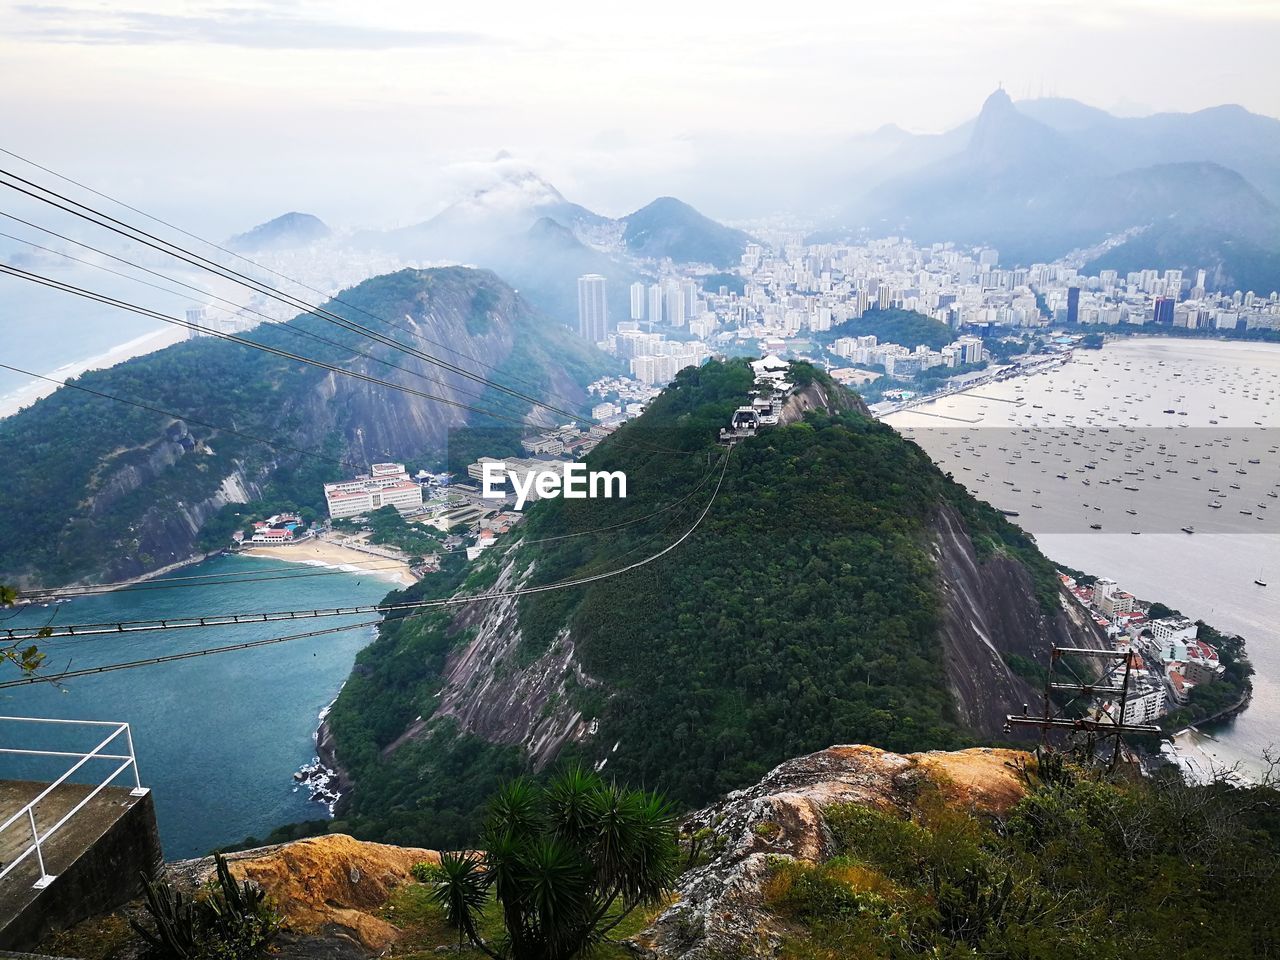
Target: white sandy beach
{"points": [[324, 553], [11, 403]]}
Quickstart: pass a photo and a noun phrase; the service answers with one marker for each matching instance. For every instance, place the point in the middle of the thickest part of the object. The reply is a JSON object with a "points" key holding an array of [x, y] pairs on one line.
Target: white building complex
{"points": [[387, 484]]}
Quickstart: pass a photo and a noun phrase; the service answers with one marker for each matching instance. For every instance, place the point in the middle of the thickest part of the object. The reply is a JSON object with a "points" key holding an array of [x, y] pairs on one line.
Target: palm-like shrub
{"points": [[566, 862]]}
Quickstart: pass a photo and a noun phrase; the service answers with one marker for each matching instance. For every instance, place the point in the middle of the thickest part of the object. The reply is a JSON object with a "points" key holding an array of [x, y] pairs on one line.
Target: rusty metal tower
{"points": [[1098, 726]]}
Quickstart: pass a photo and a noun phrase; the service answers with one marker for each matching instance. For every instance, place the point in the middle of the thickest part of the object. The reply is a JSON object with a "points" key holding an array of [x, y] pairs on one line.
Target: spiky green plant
{"points": [[566, 862], [178, 929], [233, 921]]}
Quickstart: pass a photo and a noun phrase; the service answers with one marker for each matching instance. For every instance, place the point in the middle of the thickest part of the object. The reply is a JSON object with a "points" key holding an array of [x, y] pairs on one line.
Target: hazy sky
{"points": [[372, 113]]}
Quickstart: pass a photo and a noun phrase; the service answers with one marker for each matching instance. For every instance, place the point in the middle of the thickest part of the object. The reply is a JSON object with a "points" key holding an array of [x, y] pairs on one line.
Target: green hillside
{"points": [[803, 611], [1230, 262], [100, 489]]}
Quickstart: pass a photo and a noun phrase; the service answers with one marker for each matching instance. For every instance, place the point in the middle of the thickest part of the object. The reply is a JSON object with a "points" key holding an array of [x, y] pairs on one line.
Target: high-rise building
{"points": [[1073, 304], [1163, 312], [689, 298], [675, 304], [593, 311], [637, 301], [655, 303], [972, 347], [196, 317]]}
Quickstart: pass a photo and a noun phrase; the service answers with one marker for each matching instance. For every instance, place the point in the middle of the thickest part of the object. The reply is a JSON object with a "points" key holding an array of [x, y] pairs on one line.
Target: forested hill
{"points": [[840, 588], [100, 490], [906, 327]]}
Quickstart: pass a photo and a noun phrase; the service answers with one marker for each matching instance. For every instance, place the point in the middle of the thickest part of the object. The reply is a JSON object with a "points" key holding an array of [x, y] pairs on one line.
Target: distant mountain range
{"points": [[521, 226], [1035, 178], [489, 217], [1039, 178], [483, 223]]}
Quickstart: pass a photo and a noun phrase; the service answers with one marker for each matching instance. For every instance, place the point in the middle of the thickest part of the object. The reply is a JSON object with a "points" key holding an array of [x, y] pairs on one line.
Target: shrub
{"points": [[567, 862], [427, 872]]}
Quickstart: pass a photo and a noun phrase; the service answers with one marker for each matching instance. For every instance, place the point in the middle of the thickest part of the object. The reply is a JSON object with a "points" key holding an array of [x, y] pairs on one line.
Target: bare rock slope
{"points": [[720, 909]]}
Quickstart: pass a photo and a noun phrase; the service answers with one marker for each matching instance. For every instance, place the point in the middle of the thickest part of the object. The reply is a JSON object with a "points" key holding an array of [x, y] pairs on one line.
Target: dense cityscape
{"points": [[785, 302]]}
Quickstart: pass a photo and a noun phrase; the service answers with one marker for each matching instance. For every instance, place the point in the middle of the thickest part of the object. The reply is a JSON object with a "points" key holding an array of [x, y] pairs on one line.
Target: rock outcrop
{"points": [[816, 396], [720, 909], [330, 887]]}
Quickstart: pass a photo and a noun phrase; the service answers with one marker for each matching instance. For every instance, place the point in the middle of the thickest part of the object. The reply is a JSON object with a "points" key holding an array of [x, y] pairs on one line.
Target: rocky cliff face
{"points": [[990, 611], [491, 692], [819, 396], [720, 907]]}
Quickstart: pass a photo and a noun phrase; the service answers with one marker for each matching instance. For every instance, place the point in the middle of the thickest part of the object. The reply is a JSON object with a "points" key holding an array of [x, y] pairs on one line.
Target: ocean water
{"points": [[44, 329], [218, 738], [1140, 439]]}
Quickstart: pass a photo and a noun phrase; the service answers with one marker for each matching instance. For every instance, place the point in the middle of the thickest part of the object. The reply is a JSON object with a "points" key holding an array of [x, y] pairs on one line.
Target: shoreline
{"points": [[324, 553], [34, 593], [1193, 751], [1233, 738], [25, 396], [1012, 371]]}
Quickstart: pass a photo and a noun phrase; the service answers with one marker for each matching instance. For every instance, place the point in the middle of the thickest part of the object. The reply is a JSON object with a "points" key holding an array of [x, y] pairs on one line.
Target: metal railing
{"points": [[40, 837]]}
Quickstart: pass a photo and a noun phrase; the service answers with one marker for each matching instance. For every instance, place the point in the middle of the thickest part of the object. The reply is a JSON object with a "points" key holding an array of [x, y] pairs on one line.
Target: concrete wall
{"points": [[107, 874]]}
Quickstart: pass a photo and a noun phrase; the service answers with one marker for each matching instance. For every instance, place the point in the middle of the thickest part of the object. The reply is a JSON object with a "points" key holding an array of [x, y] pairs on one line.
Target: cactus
{"points": [[178, 924], [232, 921]]}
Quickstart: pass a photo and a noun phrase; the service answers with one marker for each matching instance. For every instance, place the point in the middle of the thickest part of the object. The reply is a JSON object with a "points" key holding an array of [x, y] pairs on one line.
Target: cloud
{"points": [[226, 26]]}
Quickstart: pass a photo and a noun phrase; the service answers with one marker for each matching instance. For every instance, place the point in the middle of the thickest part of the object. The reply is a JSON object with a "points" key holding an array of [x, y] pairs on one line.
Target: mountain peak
{"points": [[550, 230], [291, 229], [666, 204], [668, 227], [1005, 139], [999, 100]]}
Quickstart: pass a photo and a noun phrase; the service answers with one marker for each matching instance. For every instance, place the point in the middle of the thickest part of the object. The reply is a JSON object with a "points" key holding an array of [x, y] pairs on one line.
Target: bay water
{"points": [[218, 737], [1115, 460]]}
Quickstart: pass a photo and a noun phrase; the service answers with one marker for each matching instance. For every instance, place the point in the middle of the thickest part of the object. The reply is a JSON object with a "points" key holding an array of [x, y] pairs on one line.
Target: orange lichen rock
{"points": [[332, 881]]}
